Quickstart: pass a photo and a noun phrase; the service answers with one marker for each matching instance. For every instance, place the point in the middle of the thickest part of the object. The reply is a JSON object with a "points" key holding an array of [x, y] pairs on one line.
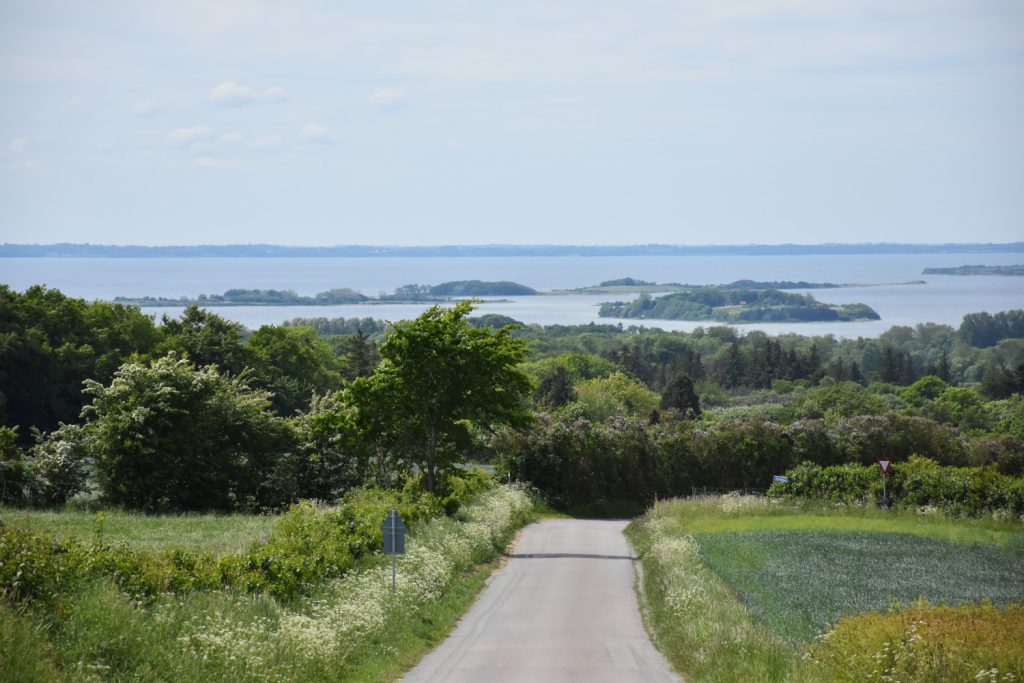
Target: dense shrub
{"points": [[742, 454], [169, 436], [866, 438], [916, 483], [58, 466]]}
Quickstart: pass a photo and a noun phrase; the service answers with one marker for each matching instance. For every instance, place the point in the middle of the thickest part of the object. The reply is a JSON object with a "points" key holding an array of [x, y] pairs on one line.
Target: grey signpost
{"points": [[394, 542]]}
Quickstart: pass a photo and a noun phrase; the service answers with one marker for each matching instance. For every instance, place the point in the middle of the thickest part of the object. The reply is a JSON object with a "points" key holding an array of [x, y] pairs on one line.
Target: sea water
{"points": [[941, 299]]}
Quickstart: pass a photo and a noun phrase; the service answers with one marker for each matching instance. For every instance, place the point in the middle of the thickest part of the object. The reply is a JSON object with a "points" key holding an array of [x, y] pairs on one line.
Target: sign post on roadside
{"points": [[394, 542], [884, 463]]}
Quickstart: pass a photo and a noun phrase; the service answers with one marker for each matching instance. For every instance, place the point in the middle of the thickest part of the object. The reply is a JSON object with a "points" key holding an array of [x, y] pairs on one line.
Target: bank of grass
{"points": [[350, 629], [737, 588], [197, 533]]}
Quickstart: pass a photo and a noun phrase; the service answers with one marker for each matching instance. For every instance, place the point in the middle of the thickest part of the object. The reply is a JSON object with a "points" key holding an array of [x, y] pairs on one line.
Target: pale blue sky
{"points": [[536, 121]]}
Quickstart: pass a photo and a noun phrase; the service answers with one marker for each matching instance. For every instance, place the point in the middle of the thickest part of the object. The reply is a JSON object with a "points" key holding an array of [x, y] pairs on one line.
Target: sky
{"points": [[528, 122]]}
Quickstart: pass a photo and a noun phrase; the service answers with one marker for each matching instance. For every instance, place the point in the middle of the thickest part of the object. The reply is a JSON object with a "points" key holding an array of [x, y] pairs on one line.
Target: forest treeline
{"points": [[196, 412]]}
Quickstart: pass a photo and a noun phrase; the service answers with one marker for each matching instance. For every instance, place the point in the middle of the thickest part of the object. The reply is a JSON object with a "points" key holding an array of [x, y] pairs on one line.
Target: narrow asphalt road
{"points": [[562, 608]]}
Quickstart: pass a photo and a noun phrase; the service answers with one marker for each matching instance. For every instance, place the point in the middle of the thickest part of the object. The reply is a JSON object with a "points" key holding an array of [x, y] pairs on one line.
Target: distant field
{"points": [[214, 534]]}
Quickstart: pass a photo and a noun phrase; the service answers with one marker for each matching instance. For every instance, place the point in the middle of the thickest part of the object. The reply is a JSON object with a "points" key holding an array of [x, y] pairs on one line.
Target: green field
{"points": [[799, 583], [741, 588], [198, 533]]}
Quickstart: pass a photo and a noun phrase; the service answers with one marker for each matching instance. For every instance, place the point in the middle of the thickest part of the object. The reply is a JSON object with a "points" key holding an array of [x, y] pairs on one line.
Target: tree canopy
{"points": [[439, 375]]}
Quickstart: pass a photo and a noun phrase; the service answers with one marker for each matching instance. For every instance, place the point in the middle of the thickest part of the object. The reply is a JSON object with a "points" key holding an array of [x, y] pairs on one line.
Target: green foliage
{"points": [[293, 364], [601, 398], [679, 394], [916, 483], [168, 436], [438, 376], [12, 466], [58, 466], [330, 456], [206, 339], [50, 343]]}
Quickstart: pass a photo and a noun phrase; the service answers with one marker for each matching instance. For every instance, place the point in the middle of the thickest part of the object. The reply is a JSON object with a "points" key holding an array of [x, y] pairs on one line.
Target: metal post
{"points": [[394, 551]]}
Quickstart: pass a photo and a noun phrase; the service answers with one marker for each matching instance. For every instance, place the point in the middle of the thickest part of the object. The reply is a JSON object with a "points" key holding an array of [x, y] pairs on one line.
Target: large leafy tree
{"points": [[170, 436], [208, 339], [50, 343], [293, 364], [440, 375]]}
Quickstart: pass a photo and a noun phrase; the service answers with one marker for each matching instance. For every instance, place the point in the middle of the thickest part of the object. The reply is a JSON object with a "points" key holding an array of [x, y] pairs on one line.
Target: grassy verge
{"points": [[740, 589], [212, 534], [351, 628]]}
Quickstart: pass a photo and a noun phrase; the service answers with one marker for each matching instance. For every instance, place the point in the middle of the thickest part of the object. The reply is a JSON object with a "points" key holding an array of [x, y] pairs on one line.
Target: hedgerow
{"points": [[310, 543], [918, 483]]}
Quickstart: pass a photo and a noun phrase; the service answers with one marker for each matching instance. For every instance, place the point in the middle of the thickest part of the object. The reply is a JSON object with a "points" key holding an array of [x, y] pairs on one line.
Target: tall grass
{"points": [[198, 533]]}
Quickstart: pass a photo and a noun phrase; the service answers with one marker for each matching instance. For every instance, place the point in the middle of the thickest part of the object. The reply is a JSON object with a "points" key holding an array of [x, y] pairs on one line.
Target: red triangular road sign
{"points": [[884, 464]]}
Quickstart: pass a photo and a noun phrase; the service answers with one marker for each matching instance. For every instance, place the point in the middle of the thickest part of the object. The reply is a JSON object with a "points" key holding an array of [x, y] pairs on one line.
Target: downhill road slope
{"points": [[562, 609]]}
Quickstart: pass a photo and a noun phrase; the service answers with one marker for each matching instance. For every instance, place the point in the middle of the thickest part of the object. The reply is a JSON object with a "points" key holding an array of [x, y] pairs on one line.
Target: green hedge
{"points": [[918, 482], [309, 544]]}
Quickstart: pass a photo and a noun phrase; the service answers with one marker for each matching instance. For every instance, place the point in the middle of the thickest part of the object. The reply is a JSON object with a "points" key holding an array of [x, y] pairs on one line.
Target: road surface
{"points": [[563, 608]]}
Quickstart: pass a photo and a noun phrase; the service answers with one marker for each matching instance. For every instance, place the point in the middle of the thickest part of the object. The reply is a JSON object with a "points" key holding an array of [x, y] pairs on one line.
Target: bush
{"points": [[916, 483], [58, 466], [168, 436]]}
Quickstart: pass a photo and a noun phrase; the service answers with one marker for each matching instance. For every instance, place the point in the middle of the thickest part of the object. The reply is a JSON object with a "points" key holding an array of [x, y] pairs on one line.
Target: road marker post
{"points": [[394, 542]]}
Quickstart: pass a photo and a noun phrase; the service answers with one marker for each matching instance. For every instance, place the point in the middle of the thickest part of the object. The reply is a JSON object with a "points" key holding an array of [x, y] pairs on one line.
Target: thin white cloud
{"points": [[239, 140], [17, 145], [232, 93], [314, 132], [144, 108], [386, 99], [215, 162], [183, 137]]}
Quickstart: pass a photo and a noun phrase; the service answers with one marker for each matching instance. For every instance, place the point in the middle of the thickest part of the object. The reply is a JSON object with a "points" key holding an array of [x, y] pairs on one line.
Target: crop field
{"points": [[799, 583], [741, 588]]}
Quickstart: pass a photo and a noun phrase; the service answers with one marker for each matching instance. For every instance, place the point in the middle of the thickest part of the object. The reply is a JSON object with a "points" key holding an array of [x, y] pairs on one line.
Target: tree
{"points": [[556, 389], [292, 363], [617, 394], [208, 339], [50, 343], [169, 436], [680, 395], [361, 357], [438, 376]]}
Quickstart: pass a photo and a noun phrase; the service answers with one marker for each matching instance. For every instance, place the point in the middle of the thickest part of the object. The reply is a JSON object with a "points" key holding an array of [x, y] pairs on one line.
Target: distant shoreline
{"points": [[67, 250]]}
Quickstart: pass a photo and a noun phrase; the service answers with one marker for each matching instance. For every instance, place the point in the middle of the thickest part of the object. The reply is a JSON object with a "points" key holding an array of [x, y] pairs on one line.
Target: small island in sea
{"points": [[1012, 271], [736, 305], [629, 285], [343, 295]]}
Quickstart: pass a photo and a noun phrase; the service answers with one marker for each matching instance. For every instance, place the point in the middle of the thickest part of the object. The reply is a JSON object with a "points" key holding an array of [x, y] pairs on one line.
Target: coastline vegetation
{"points": [[445, 291], [728, 305], [1011, 271]]}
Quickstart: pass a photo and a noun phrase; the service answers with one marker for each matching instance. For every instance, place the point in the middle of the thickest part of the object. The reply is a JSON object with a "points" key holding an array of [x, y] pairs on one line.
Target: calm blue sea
{"points": [[942, 299]]}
